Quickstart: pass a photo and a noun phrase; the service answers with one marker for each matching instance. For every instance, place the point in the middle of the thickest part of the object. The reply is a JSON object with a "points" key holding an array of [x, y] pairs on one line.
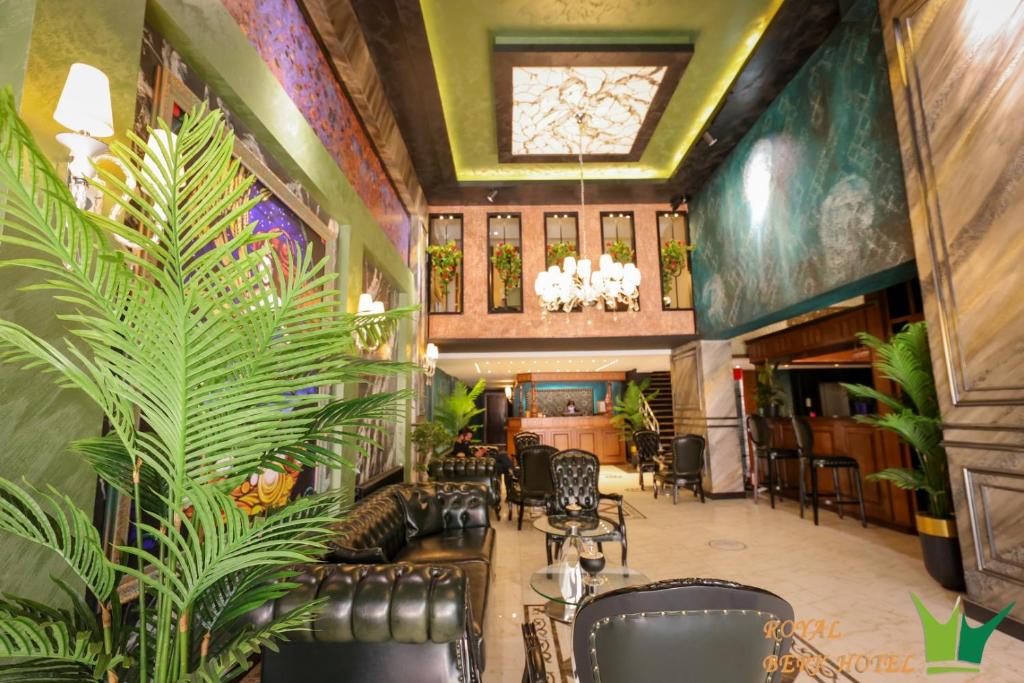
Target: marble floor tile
{"points": [[838, 571]]}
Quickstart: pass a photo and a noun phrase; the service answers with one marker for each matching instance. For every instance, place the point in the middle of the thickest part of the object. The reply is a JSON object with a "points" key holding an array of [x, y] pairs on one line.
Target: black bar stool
{"points": [[761, 436], [805, 445]]}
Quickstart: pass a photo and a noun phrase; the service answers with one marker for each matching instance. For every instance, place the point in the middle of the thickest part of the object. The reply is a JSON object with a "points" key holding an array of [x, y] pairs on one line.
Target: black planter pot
{"points": [[941, 550]]}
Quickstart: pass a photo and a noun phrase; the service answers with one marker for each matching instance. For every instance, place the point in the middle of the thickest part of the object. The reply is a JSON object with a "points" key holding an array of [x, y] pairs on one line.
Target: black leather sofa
{"points": [[481, 470], [406, 586]]}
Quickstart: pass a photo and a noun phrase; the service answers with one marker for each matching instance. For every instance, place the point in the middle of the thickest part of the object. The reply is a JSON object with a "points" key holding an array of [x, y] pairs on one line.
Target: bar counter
{"points": [[593, 433]]}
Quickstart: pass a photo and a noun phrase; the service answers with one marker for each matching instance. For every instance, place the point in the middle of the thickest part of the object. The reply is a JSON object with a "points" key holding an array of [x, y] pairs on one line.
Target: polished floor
{"points": [[857, 581]]}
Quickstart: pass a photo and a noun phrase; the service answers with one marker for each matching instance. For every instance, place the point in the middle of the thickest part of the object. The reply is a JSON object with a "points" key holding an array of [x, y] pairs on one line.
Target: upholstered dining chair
{"points": [[685, 469], [648, 445], [685, 630], [575, 474], [525, 440], [815, 462], [532, 483], [761, 435]]}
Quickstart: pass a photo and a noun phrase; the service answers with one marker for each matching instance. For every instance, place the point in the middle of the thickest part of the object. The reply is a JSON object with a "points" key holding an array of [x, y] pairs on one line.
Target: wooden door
{"points": [[956, 68], [495, 417]]}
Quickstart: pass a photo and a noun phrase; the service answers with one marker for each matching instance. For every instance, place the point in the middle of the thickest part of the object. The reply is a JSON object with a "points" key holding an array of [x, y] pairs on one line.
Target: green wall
{"points": [[40, 420], [809, 208]]}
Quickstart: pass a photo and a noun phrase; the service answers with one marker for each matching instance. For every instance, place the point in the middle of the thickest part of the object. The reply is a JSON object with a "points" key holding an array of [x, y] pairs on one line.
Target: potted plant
{"points": [[768, 394], [207, 371], [508, 263], [628, 411], [456, 410], [431, 440], [914, 416], [557, 251], [620, 251], [444, 266], [673, 261]]}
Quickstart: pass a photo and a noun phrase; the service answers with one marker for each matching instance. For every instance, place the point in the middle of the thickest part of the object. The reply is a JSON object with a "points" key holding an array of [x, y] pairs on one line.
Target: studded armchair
{"points": [[687, 630], [481, 470], [648, 444], [686, 468], [575, 474], [525, 440], [532, 484]]}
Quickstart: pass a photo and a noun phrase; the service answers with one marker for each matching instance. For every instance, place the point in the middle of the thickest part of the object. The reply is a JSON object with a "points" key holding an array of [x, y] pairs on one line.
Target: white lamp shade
{"points": [[377, 307], [583, 268], [508, 393], [365, 303], [617, 270], [541, 283], [431, 352], [554, 271], [605, 263], [631, 275], [84, 105], [597, 279], [569, 265]]}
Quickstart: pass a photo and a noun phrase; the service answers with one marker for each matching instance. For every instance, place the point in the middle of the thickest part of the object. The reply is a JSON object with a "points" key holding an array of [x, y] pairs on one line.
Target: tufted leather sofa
{"points": [[459, 468], [406, 585]]}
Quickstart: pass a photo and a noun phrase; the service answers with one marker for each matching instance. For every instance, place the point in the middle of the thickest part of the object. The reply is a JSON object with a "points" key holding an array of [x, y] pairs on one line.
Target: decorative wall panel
{"points": [[279, 32], [811, 201]]}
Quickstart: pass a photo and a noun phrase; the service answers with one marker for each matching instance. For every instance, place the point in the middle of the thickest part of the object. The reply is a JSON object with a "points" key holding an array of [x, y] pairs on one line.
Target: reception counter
{"points": [[593, 433]]}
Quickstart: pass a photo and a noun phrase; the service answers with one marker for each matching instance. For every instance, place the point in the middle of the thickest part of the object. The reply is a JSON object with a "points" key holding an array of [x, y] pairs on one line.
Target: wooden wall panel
{"points": [[956, 68]]}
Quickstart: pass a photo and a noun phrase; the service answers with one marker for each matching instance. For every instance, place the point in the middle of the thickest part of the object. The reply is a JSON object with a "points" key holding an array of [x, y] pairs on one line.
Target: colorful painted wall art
{"points": [[811, 201]]}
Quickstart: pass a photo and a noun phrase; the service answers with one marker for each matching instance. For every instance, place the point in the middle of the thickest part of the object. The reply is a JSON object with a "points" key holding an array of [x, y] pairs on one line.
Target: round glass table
{"points": [[549, 582], [559, 525]]}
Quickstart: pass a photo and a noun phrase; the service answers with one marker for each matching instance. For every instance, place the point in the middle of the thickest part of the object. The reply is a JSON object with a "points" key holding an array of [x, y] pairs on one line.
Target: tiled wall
{"points": [[812, 199], [279, 32]]}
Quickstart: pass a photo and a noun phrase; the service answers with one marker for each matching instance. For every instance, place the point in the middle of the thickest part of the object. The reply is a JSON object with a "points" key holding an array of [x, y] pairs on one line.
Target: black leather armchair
{"points": [[524, 440], [685, 630], [648, 445], [575, 475], [481, 470], [532, 484], [379, 623], [685, 469]]}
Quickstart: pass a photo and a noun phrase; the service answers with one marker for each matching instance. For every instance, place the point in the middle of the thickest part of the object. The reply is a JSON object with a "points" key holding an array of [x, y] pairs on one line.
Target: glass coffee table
{"points": [[560, 525], [548, 583]]}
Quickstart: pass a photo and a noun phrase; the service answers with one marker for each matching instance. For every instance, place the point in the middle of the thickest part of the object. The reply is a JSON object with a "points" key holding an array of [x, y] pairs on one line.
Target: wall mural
{"points": [[811, 200], [279, 32], [384, 454]]}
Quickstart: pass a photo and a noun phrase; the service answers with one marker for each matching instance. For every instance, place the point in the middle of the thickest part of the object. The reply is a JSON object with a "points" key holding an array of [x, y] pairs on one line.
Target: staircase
{"points": [[662, 407]]}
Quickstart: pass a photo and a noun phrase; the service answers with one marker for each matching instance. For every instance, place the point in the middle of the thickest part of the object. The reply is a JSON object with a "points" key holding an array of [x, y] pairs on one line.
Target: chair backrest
{"points": [[524, 440], [681, 630], [759, 430], [688, 454], [575, 474], [535, 469], [804, 435], [647, 444]]}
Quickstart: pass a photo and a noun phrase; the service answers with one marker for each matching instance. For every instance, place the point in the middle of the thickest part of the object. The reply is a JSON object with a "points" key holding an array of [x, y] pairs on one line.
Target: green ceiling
{"points": [[724, 32]]}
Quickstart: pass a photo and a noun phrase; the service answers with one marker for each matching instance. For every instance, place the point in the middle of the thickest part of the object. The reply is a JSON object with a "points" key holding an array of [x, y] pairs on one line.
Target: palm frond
{"points": [[22, 636], [456, 410], [902, 477], [864, 391], [63, 528], [46, 670]]}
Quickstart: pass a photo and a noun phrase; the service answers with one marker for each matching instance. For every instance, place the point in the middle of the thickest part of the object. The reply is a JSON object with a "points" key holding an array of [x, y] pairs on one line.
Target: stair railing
{"points": [[650, 419]]}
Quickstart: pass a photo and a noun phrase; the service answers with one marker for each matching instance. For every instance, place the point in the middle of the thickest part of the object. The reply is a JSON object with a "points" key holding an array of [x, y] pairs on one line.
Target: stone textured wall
{"points": [[812, 200]]}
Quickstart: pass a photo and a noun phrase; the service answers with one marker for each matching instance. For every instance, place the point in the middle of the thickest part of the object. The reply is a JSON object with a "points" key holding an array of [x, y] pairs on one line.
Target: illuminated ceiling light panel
{"points": [[615, 99]]}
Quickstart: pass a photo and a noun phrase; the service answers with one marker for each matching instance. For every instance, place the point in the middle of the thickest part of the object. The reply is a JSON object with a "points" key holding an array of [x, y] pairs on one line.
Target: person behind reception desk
{"points": [[502, 463], [570, 408]]}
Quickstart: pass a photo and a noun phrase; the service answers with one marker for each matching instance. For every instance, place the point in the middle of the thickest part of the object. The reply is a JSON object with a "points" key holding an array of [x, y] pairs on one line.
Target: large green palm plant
{"points": [[629, 408], [456, 410], [210, 355], [914, 415]]}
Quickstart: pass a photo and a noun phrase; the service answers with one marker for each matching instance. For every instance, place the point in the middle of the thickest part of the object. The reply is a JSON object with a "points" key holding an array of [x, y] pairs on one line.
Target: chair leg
{"points": [[803, 486], [624, 547], [771, 482], [814, 492], [700, 487], [547, 547], [855, 472], [656, 487], [640, 471], [838, 491], [675, 493], [520, 525]]}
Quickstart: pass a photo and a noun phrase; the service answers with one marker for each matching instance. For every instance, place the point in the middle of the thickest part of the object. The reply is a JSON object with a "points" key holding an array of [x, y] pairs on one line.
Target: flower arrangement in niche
{"points": [[620, 251], [509, 264], [673, 260], [444, 261], [557, 251]]}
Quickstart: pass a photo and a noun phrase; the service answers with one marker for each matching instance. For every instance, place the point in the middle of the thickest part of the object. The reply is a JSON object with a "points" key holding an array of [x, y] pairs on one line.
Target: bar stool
{"points": [[805, 445], [761, 436]]}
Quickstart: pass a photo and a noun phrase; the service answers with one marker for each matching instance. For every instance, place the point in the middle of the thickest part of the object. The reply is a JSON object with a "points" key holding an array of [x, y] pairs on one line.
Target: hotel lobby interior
{"points": [[481, 341]]}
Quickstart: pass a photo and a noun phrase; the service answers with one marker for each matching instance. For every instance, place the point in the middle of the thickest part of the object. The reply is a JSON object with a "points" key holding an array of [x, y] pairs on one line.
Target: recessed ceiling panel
{"points": [[560, 110]]}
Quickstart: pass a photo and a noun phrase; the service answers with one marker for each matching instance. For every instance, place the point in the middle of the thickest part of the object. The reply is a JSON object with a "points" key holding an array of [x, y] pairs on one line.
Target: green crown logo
{"points": [[955, 646]]}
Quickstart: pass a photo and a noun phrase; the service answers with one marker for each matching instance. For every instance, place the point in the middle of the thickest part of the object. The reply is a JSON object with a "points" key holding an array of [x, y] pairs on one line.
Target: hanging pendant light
{"points": [[575, 284]]}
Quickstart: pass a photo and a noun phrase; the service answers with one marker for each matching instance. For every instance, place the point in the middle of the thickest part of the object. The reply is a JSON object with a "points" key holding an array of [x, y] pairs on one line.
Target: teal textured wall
{"points": [[810, 207]]}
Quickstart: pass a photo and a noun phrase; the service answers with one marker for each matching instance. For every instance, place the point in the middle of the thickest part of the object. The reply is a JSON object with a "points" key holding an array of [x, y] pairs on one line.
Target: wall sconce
{"points": [[508, 393], [430, 361], [368, 332], [84, 108]]}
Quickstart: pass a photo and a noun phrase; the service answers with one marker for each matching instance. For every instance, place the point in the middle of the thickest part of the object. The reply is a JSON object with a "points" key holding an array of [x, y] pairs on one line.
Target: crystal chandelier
{"points": [[575, 284]]}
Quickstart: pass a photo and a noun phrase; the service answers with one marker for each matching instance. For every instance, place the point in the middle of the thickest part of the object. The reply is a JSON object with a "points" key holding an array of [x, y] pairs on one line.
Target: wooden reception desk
{"points": [[593, 433]]}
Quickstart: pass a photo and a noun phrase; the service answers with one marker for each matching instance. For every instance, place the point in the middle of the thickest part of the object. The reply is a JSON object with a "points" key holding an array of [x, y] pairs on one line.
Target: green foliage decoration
{"points": [[557, 251], [508, 263], [627, 411]]}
